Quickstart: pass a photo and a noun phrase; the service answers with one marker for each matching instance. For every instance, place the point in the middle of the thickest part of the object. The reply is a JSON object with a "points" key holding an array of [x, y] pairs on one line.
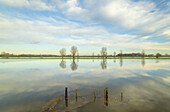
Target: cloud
{"points": [[32, 4], [111, 23]]}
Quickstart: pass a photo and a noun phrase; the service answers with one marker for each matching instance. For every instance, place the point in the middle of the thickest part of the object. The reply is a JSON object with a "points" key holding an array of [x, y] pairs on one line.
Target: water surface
{"points": [[39, 85]]}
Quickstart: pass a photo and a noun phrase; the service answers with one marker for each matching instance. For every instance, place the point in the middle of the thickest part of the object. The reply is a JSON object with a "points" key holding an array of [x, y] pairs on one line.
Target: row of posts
{"points": [[105, 96]]}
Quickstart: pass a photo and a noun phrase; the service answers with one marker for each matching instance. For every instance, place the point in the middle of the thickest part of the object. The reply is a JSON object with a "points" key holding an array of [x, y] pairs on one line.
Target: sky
{"points": [[46, 26]]}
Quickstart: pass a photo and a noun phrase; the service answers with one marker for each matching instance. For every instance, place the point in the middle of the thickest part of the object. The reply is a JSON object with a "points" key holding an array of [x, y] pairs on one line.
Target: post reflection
{"points": [[63, 64], [94, 96], [76, 96], [74, 65], [121, 95], [104, 64]]}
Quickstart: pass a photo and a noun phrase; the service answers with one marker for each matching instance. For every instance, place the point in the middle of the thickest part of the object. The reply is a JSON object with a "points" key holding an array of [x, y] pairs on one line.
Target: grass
{"points": [[83, 58]]}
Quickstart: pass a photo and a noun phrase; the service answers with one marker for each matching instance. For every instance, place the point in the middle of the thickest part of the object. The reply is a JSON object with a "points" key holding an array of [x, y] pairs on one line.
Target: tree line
{"points": [[103, 53]]}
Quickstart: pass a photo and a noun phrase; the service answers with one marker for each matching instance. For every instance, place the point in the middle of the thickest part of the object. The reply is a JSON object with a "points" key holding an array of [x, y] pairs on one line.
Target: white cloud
{"points": [[32, 4], [143, 17]]}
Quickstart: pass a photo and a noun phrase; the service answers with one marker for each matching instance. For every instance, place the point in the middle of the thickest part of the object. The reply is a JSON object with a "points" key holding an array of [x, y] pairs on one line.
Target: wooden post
{"points": [[106, 96], [94, 96], [66, 97]]}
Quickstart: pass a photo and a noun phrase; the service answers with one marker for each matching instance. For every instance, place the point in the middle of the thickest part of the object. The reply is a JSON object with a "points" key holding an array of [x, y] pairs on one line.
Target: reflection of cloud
{"points": [[166, 79], [39, 75]]}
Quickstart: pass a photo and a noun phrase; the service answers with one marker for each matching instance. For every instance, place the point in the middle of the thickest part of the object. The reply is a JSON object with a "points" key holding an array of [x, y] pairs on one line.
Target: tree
{"points": [[104, 51], [158, 55], [114, 54], [121, 54], [143, 54], [73, 51], [63, 52], [5, 55]]}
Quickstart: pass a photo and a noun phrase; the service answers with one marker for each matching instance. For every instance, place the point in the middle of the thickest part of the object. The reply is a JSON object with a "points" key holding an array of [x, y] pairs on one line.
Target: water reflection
{"points": [[121, 62], [63, 64], [121, 96], [40, 84], [143, 62], [74, 65], [104, 64], [114, 60], [76, 96]]}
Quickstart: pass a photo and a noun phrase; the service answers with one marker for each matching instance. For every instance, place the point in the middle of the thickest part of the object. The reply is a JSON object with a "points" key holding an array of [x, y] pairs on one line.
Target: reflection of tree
{"points": [[73, 65], [114, 61], [143, 62], [63, 64], [104, 64], [121, 62]]}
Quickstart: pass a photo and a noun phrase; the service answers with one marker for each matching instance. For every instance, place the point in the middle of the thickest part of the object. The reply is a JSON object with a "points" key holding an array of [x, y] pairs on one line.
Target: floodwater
{"points": [[128, 85]]}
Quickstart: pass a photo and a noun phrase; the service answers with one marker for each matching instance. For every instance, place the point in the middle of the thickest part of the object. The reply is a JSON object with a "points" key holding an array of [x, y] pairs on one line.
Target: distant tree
{"points": [[93, 54], [5, 55], [77, 54], [133, 54], [63, 52], [121, 54], [114, 54], [158, 55], [104, 51], [143, 54], [73, 51]]}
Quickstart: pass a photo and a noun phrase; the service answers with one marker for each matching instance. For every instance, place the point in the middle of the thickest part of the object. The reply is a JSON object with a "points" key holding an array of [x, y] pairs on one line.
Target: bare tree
{"points": [[5, 55], [114, 54], [143, 54], [104, 51], [121, 54], [133, 55], [73, 51], [158, 55], [93, 55], [63, 52], [77, 54]]}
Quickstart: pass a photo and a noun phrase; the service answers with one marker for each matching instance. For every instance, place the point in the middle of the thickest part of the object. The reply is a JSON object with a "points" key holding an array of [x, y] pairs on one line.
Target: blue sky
{"points": [[46, 26]]}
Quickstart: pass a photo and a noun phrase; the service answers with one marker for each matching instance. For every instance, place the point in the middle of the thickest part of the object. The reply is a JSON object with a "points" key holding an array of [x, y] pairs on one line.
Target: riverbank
{"points": [[84, 58]]}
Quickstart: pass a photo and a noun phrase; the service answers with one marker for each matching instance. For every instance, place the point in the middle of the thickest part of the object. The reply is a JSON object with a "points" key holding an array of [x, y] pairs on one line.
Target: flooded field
{"points": [[49, 85]]}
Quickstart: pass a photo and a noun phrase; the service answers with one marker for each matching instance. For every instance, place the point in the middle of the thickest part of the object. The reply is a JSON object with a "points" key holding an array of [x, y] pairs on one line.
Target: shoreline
{"points": [[84, 58]]}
